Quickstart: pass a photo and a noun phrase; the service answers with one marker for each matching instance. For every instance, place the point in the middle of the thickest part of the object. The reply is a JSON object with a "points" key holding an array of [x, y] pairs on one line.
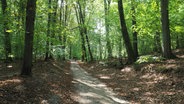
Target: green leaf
{"points": [[9, 31], [178, 28]]}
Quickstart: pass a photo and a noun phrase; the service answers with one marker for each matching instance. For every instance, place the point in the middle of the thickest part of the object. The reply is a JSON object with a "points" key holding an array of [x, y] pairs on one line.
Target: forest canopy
{"points": [[88, 29]]}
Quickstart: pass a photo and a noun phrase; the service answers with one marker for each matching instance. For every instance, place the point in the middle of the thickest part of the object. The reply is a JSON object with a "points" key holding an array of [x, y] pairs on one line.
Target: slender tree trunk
{"points": [[157, 39], [64, 15], [182, 41], [62, 36], [80, 15], [179, 41], [166, 48], [106, 8], [84, 28], [7, 40], [53, 23], [88, 44], [100, 47], [84, 55], [120, 50], [48, 33], [135, 41], [70, 51], [158, 47], [29, 34], [129, 49], [80, 20]]}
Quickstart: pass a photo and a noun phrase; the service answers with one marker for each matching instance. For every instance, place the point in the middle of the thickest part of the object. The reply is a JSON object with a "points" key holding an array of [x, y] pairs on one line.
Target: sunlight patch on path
{"points": [[90, 90]]}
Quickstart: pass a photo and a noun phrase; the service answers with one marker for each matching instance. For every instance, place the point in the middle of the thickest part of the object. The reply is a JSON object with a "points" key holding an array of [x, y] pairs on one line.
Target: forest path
{"points": [[90, 90]]}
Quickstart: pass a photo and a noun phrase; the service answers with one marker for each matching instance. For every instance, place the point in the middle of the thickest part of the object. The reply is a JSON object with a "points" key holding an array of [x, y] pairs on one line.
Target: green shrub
{"points": [[149, 58]]}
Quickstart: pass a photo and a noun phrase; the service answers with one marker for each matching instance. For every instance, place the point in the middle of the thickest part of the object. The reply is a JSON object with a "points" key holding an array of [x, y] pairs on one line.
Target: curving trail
{"points": [[90, 90]]}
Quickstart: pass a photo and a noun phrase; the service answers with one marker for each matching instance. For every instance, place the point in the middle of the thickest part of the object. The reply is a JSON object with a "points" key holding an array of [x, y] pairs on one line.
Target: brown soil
{"points": [[148, 83], [50, 83]]}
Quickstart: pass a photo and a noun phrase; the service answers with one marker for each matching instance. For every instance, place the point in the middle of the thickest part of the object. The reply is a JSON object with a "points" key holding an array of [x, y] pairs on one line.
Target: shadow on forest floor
{"points": [[161, 82], [50, 84]]}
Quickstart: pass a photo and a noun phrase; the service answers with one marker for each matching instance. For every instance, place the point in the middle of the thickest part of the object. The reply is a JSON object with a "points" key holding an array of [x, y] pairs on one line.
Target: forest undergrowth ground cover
{"points": [[50, 84], [147, 83]]}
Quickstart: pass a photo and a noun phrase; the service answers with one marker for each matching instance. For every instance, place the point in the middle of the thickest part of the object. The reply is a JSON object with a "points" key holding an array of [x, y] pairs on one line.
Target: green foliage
{"points": [[149, 58], [147, 18], [57, 51]]}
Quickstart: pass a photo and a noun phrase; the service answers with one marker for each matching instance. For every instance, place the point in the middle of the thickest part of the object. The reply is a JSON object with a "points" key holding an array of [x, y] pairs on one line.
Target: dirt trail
{"points": [[90, 90]]}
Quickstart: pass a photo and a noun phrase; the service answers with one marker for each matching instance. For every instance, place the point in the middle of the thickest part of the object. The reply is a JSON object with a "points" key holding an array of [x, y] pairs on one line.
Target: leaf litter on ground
{"points": [[144, 83], [50, 84]]}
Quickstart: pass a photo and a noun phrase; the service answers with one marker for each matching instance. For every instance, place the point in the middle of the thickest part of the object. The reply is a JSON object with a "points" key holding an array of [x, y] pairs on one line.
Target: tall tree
{"points": [[157, 39], [134, 23], [48, 31], [107, 8], [7, 40], [120, 50], [64, 15], [29, 34], [166, 39], [80, 14], [53, 24], [84, 26], [79, 20], [128, 46]]}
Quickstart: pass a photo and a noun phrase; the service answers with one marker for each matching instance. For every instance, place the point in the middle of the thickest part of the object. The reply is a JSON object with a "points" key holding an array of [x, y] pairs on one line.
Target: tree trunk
{"points": [[84, 28], [84, 55], [88, 44], [135, 41], [178, 42], [100, 47], [53, 24], [157, 39], [166, 48], [48, 33], [157, 42], [7, 40], [106, 8], [70, 51], [81, 22], [64, 16], [120, 50], [29, 34], [128, 46]]}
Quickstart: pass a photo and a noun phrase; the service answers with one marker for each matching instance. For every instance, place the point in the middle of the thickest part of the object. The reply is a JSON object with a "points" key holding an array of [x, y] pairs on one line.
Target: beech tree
{"points": [[29, 34], [107, 25], [64, 13], [81, 19], [129, 49], [166, 39], [48, 32], [134, 24]]}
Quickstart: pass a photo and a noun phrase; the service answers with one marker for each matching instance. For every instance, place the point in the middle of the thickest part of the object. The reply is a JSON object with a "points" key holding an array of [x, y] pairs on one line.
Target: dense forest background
{"points": [[90, 29]]}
